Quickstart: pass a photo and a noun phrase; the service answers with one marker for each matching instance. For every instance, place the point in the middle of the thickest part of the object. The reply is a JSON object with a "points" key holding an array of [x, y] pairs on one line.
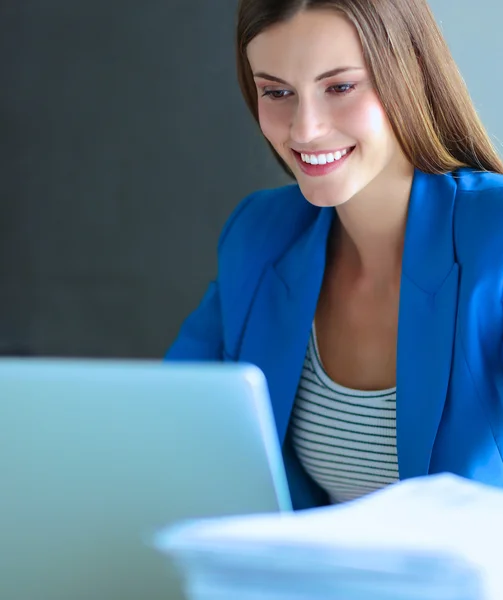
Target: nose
{"points": [[309, 122]]}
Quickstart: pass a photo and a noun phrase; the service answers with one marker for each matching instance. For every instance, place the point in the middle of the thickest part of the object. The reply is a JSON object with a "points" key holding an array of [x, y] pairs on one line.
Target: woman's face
{"points": [[319, 110]]}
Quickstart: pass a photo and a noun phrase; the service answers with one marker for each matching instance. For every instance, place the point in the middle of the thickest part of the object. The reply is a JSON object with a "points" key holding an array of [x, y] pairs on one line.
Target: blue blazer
{"points": [[261, 307]]}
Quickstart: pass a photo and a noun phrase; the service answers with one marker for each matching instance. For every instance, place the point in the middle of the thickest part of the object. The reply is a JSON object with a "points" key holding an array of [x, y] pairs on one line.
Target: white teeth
{"points": [[323, 159]]}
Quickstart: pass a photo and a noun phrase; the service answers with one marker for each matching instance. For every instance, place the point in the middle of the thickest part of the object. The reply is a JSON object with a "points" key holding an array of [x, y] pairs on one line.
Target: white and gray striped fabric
{"points": [[345, 439]]}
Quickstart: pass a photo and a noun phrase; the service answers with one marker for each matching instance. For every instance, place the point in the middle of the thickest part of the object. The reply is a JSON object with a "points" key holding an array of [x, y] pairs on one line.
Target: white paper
{"points": [[441, 514]]}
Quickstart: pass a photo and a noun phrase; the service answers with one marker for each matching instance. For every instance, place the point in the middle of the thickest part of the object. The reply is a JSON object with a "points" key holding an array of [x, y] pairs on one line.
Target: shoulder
{"points": [[267, 220], [478, 220], [470, 180]]}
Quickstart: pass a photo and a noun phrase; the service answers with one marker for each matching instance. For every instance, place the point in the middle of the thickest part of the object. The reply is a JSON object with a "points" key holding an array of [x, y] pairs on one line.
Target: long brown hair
{"points": [[413, 72]]}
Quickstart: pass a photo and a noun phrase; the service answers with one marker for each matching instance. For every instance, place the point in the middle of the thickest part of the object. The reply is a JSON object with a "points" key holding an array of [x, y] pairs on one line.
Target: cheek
{"points": [[366, 118], [273, 122], [377, 121]]}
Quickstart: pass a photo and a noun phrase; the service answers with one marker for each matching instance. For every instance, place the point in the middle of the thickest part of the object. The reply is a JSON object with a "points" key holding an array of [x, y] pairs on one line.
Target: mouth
{"points": [[322, 163]]}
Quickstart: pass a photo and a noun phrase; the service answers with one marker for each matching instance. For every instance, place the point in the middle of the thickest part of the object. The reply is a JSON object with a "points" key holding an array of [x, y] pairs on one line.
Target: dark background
{"points": [[125, 144]]}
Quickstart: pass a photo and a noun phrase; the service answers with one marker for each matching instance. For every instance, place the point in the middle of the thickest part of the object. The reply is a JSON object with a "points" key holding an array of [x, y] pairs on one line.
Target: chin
{"points": [[323, 198]]}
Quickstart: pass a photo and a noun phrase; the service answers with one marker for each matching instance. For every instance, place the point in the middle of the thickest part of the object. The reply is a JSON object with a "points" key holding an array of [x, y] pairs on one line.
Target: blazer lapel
{"points": [[428, 300], [279, 323]]}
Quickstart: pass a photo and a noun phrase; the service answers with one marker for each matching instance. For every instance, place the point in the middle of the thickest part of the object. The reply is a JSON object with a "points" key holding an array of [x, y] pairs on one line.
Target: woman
{"points": [[370, 291]]}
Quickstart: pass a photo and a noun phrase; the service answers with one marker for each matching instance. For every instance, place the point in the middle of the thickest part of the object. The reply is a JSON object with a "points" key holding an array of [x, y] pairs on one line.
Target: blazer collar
{"points": [[429, 251], [308, 251]]}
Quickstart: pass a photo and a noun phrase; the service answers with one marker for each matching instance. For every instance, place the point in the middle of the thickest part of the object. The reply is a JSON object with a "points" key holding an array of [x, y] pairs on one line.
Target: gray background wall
{"points": [[473, 32], [125, 144]]}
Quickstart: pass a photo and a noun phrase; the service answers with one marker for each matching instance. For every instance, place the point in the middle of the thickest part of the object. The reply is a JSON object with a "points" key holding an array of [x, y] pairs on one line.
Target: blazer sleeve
{"points": [[200, 337], [201, 334]]}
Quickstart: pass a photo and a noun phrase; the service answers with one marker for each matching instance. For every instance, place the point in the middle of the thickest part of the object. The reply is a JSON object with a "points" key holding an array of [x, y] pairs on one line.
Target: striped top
{"points": [[345, 439]]}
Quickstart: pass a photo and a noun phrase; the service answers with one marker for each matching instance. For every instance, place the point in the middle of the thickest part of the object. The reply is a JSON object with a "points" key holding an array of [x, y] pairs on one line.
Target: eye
{"points": [[276, 94], [342, 88]]}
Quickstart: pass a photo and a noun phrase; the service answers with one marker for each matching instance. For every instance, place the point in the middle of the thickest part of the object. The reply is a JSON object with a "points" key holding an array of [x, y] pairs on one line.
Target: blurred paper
{"points": [[434, 537]]}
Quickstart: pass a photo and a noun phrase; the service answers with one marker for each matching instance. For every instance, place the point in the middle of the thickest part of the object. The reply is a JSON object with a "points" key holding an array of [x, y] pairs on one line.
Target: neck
{"points": [[372, 228]]}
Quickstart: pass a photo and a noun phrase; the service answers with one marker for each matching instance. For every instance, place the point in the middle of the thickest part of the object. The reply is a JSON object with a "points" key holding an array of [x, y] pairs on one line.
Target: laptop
{"points": [[97, 456]]}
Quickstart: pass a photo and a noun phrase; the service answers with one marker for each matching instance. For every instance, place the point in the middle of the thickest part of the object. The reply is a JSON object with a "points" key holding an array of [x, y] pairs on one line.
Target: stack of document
{"points": [[431, 538]]}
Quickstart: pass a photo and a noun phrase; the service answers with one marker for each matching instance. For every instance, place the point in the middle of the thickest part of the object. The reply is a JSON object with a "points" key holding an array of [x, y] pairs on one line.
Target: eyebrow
{"points": [[326, 75]]}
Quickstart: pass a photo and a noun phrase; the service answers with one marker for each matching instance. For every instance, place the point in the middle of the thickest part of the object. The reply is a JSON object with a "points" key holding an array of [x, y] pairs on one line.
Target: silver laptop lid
{"points": [[97, 455]]}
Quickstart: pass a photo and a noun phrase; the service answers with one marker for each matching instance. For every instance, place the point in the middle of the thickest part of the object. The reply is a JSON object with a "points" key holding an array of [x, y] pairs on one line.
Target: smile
{"points": [[323, 159], [322, 163]]}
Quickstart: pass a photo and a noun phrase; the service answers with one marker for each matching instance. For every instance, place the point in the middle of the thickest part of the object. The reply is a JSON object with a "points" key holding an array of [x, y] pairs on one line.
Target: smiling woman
{"points": [[370, 291]]}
